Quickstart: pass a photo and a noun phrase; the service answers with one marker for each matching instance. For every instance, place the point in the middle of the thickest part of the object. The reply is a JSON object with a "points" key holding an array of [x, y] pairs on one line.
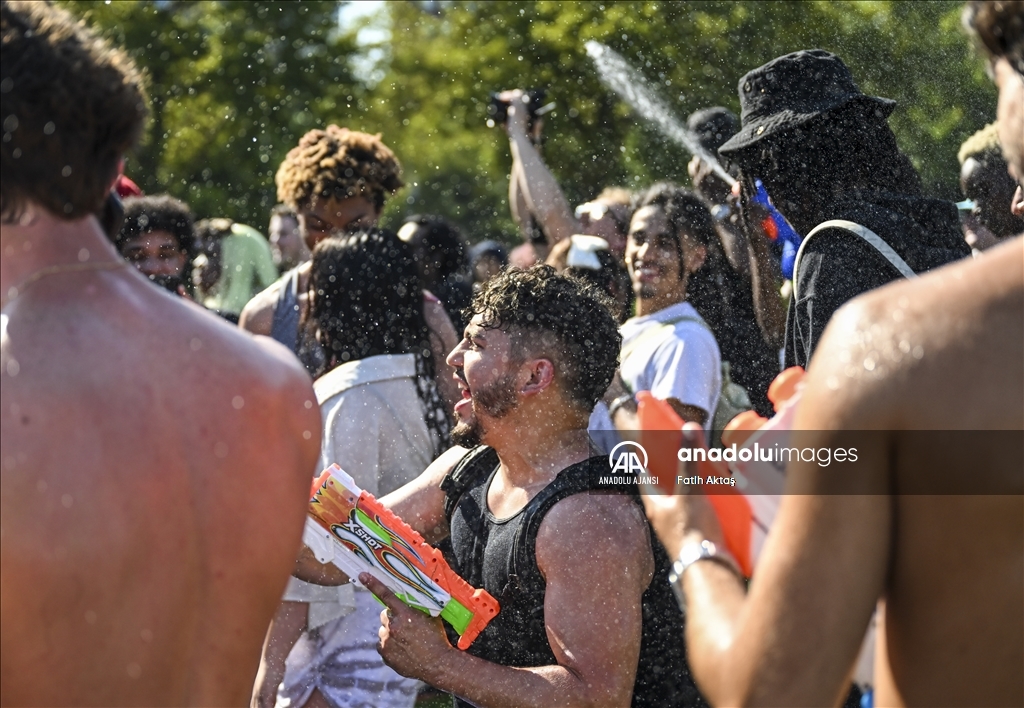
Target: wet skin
{"points": [[127, 425]]}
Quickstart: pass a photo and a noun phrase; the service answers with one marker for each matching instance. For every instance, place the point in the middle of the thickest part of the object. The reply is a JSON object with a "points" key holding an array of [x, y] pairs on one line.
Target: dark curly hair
{"points": [[561, 317], [999, 27], [72, 105], [367, 302], [160, 212], [338, 163]]}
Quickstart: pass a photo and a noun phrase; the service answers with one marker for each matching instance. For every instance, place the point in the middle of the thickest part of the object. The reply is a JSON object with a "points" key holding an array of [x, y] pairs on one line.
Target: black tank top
{"points": [[499, 555]]}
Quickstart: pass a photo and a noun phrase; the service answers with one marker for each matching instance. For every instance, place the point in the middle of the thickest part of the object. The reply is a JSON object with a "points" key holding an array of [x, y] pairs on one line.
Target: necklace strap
{"points": [[14, 292]]}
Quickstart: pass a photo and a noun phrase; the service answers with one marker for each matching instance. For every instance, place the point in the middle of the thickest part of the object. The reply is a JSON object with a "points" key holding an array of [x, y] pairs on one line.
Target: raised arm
{"points": [[592, 612], [517, 199], [537, 187]]}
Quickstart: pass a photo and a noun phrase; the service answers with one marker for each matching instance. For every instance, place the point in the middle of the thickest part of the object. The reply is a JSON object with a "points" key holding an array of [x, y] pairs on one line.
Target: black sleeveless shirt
{"points": [[499, 556]]}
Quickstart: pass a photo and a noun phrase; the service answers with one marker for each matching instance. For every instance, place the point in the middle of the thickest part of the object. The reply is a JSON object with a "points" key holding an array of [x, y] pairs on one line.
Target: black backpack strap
{"points": [[578, 478], [478, 462]]}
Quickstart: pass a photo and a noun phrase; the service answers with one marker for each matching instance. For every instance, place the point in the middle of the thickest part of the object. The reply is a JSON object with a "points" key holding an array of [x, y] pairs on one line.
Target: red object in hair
{"points": [[126, 188]]}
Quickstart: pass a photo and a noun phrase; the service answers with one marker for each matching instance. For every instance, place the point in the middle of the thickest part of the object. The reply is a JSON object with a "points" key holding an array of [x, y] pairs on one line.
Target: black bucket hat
{"points": [[793, 89]]}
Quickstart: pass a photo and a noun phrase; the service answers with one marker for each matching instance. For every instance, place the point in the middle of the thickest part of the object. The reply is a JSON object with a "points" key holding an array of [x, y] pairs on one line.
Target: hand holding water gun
{"points": [[351, 529], [778, 229], [741, 485]]}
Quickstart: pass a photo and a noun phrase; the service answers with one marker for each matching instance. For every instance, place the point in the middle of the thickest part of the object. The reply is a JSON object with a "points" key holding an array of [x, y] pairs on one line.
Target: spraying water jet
{"points": [[634, 89]]}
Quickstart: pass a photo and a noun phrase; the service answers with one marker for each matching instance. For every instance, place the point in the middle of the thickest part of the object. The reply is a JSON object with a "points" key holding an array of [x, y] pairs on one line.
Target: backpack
{"points": [[866, 235]]}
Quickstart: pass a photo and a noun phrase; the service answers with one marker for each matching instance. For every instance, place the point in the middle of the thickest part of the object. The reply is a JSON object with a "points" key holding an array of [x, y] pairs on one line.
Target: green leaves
{"points": [[234, 85]]}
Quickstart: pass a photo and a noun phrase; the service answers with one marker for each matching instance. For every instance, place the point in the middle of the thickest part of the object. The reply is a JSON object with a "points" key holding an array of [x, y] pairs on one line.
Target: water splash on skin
{"points": [[630, 84]]}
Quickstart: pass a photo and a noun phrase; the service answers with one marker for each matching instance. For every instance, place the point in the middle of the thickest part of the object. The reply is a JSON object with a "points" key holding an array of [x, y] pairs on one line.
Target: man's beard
{"points": [[496, 400]]}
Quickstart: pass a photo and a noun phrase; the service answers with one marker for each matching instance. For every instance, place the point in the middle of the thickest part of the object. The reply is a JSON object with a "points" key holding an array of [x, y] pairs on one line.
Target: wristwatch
{"points": [[690, 554]]}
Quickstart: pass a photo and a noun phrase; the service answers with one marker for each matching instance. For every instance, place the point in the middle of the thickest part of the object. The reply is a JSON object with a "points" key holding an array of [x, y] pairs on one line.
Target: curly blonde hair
{"points": [[983, 146], [338, 163]]}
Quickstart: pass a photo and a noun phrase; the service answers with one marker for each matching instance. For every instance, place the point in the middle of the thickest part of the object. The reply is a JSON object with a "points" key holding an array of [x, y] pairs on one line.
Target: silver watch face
{"points": [[693, 552]]}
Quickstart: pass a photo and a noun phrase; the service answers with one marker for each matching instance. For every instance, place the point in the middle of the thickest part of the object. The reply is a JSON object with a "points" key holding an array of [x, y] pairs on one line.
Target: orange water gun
{"points": [[743, 518], [348, 527]]}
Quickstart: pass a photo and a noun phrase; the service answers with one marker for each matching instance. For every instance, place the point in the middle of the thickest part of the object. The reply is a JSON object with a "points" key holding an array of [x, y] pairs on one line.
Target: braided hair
{"points": [[366, 302]]}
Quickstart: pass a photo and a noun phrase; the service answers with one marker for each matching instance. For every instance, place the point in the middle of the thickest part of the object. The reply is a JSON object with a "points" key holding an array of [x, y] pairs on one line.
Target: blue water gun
{"points": [[778, 229]]}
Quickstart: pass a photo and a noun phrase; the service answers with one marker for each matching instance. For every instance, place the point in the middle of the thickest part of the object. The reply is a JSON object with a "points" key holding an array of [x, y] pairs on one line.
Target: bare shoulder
{"points": [[264, 369], [610, 531], [439, 468], [938, 342], [258, 314]]}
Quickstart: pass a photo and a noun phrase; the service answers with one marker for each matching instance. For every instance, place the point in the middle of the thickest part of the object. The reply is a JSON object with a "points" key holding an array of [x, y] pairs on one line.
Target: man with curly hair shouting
{"points": [[337, 181], [587, 615]]}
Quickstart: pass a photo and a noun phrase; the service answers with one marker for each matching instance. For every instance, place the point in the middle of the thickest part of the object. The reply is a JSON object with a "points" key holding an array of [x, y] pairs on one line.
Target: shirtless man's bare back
{"points": [[156, 461]]}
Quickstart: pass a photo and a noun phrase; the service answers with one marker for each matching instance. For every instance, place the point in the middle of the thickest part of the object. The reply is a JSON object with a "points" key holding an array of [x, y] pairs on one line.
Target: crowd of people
{"points": [[172, 384]]}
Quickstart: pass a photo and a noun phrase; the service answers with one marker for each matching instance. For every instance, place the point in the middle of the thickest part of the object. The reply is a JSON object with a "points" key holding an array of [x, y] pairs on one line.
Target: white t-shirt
{"points": [[683, 363]]}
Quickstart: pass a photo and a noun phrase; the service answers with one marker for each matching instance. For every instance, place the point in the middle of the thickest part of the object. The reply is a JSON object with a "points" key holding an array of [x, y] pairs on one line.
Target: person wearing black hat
{"points": [[825, 152], [736, 291]]}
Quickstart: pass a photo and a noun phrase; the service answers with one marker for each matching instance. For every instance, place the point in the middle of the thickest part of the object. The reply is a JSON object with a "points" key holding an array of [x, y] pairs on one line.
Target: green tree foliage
{"points": [[232, 86], [442, 66], [235, 84]]}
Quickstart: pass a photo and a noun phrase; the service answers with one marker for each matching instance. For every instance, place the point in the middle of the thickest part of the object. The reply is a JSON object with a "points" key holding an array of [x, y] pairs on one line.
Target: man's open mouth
{"points": [[463, 389]]}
